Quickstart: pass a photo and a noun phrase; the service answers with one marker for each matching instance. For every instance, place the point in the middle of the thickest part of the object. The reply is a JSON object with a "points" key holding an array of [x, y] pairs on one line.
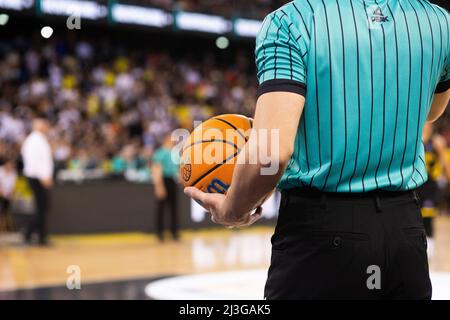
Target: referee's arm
{"points": [[279, 111], [442, 94], [440, 102], [282, 91]]}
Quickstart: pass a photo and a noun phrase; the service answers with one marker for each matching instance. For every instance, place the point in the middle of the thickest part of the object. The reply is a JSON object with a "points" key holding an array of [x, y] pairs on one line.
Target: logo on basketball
{"points": [[217, 186], [186, 170]]}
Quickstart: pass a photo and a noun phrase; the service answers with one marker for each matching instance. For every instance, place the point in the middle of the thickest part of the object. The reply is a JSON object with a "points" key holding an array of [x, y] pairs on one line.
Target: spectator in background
{"points": [[99, 98], [38, 168], [165, 175], [8, 178]]}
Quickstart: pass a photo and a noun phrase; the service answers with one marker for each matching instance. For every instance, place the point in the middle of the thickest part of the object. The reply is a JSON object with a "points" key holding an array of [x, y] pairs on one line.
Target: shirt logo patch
{"points": [[378, 16]]}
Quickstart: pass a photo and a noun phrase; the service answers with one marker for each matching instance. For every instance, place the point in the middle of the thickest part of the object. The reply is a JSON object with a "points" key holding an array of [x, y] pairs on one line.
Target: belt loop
{"points": [[416, 198], [323, 201], [378, 203]]}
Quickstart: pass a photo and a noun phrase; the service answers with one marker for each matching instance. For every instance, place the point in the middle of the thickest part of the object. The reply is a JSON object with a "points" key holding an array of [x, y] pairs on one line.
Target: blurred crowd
{"points": [[110, 106], [257, 10]]}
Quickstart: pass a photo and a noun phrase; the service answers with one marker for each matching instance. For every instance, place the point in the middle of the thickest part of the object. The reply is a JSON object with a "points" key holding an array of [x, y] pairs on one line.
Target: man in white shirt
{"points": [[38, 168]]}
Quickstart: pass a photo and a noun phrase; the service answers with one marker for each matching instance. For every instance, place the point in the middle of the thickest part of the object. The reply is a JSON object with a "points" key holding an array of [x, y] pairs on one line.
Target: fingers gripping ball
{"points": [[210, 153]]}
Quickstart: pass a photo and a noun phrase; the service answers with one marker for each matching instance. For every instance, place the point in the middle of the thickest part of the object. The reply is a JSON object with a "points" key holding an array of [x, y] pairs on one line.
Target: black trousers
{"points": [[37, 223], [429, 228], [343, 246], [169, 202]]}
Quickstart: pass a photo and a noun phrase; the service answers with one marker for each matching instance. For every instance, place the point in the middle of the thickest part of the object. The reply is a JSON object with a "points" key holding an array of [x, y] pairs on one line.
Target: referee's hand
{"points": [[216, 205]]}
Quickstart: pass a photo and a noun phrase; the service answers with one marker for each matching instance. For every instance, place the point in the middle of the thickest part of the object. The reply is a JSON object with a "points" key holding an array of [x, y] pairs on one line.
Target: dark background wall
{"points": [[119, 206], [105, 206]]}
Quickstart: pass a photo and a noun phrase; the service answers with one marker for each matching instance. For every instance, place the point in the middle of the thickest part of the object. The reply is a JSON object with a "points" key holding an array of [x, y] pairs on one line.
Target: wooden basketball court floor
{"points": [[129, 257]]}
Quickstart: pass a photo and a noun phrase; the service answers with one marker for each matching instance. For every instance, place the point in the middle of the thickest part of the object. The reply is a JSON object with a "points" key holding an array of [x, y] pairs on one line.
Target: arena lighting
{"points": [[138, 15], [202, 22], [85, 9], [247, 27], [122, 13], [46, 32], [222, 42], [3, 19], [16, 4]]}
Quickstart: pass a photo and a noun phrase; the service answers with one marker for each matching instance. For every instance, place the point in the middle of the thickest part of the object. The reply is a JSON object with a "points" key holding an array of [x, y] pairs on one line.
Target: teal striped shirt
{"points": [[369, 70]]}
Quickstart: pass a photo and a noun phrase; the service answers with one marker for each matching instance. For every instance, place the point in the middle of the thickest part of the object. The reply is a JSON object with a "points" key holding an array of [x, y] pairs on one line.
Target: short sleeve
{"points": [[158, 157], [444, 83], [279, 58]]}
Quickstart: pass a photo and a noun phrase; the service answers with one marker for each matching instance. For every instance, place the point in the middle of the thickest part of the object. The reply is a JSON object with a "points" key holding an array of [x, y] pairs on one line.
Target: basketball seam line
{"points": [[214, 168], [231, 125], [212, 140]]}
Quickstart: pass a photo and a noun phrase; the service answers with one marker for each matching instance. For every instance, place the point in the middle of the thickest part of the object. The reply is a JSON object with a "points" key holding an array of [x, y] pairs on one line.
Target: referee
{"points": [[349, 86], [165, 176], [38, 168]]}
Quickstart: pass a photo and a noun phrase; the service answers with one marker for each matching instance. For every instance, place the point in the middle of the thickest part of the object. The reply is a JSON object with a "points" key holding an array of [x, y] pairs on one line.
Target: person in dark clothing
{"points": [[165, 175]]}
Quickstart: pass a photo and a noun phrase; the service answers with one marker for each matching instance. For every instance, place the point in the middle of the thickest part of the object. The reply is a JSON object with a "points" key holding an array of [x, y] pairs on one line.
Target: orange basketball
{"points": [[209, 154]]}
